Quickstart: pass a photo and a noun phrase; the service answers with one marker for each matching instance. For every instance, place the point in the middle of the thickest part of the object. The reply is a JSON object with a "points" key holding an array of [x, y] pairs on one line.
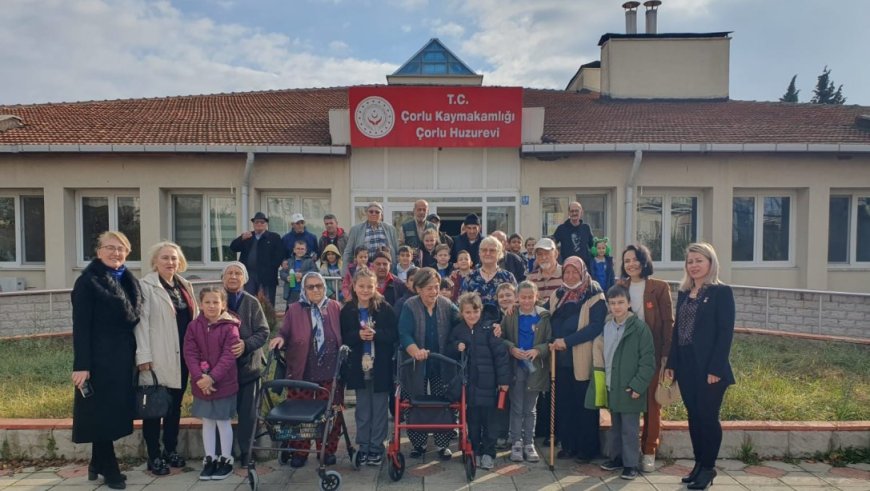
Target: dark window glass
{"points": [[776, 228], [743, 229], [7, 229], [862, 246], [95, 221], [838, 229], [33, 213], [128, 224], [434, 56], [188, 225], [434, 68], [649, 224], [684, 225]]}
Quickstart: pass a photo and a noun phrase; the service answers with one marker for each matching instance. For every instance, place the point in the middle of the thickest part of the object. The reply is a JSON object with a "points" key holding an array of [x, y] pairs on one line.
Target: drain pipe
{"points": [[246, 187], [629, 196]]}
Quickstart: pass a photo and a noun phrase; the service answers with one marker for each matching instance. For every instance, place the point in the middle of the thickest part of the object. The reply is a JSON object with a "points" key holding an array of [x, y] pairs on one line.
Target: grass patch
{"points": [[777, 379]]}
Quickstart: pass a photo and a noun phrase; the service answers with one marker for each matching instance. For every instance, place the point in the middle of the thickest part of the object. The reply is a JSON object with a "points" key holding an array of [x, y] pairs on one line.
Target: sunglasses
{"points": [[314, 287]]}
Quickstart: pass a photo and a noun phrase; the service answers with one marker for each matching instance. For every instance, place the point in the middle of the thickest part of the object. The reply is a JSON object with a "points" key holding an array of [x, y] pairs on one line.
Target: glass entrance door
{"points": [[452, 217]]}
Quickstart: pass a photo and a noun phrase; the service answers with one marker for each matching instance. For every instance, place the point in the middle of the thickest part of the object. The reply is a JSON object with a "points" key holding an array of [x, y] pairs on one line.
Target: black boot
{"points": [[692, 475], [704, 479]]}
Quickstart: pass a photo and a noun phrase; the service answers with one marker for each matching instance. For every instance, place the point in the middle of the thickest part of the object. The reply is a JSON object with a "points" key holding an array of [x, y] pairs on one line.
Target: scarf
{"points": [[573, 293], [116, 273], [317, 335]]}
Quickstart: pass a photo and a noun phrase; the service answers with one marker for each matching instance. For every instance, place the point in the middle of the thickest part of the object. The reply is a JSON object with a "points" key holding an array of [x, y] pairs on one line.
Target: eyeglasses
{"points": [[118, 249], [314, 287], [485, 250], [373, 212]]}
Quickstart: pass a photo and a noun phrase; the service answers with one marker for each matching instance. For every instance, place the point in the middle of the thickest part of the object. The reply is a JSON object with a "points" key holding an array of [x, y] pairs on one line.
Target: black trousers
{"points": [[483, 429], [103, 460], [151, 427], [576, 427], [703, 402]]}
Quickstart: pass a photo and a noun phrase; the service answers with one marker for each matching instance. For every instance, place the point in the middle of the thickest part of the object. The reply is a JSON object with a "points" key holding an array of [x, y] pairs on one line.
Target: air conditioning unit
{"points": [[8, 284]]}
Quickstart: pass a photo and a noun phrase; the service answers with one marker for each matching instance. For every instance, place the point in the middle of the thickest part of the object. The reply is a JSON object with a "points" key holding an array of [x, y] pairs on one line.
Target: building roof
{"points": [[673, 35], [300, 117]]}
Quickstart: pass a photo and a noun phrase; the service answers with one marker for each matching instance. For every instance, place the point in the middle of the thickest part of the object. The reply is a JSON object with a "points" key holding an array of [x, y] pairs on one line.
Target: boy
{"points": [[526, 332], [442, 260], [624, 362], [404, 264], [446, 288], [488, 373], [298, 264]]}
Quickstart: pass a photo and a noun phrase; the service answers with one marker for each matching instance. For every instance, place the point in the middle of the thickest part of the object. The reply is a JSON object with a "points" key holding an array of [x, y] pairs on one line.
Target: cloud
{"points": [[338, 46], [410, 4], [450, 30]]}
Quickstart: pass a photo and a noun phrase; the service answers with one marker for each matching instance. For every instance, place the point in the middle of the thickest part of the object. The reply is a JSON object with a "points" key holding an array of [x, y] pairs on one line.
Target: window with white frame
{"points": [[204, 225], [667, 222], [554, 210], [849, 228], [101, 211], [761, 228], [279, 208], [22, 229]]}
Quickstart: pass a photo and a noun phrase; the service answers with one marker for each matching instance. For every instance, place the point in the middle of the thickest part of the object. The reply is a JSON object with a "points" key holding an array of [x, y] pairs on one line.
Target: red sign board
{"points": [[435, 116]]}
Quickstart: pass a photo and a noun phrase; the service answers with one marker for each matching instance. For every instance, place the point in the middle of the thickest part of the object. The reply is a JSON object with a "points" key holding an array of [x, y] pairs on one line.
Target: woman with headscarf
{"points": [[311, 337], [577, 314]]}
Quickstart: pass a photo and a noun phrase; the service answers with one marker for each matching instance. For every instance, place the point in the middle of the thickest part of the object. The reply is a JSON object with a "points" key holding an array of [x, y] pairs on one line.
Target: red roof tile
{"points": [[300, 117]]}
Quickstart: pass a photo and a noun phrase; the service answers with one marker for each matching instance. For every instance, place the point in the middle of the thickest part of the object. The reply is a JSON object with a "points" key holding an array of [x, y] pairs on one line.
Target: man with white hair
{"points": [[574, 236], [548, 272], [510, 261]]}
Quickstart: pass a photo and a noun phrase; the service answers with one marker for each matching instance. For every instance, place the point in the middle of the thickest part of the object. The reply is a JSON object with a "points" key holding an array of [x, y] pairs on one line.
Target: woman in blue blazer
{"points": [[703, 331]]}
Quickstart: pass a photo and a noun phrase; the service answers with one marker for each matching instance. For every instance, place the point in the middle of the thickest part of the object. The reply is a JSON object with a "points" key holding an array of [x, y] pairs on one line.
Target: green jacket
{"points": [[634, 366], [510, 326]]}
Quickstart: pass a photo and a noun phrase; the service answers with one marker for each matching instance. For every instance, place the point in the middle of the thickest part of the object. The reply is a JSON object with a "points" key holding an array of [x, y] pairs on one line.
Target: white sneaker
{"points": [[531, 453], [517, 452], [648, 463], [486, 462]]}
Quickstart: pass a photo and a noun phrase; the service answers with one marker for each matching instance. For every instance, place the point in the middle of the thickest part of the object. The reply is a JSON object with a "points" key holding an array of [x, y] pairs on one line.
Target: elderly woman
{"points": [[577, 314], [486, 279], [253, 334], [168, 306], [107, 305], [311, 337], [651, 303], [424, 325], [704, 329]]}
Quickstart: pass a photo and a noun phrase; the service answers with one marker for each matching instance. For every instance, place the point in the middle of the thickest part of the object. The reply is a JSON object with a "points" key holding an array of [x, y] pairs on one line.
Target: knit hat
{"points": [[238, 265], [471, 219]]}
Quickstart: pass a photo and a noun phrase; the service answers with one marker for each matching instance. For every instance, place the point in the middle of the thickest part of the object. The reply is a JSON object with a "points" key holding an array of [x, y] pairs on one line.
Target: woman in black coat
{"points": [[703, 331], [107, 304], [368, 327]]}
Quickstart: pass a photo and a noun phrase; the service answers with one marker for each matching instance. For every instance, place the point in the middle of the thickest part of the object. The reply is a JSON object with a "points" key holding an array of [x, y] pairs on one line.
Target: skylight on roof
{"points": [[434, 59]]}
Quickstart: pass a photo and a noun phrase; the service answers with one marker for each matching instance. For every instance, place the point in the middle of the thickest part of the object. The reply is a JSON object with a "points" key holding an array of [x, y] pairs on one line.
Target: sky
{"points": [[75, 50]]}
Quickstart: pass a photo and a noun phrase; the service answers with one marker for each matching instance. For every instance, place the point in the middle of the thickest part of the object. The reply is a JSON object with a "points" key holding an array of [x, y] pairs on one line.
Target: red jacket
{"points": [[212, 344]]}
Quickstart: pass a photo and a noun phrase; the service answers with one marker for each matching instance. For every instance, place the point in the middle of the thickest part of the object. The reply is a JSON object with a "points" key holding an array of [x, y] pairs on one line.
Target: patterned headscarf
{"points": [[573, 293], [316, 311]]}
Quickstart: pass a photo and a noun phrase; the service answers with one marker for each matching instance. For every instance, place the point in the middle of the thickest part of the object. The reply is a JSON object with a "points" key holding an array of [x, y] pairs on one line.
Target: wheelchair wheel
{"points": [[470, 469], [397, 471], [253, 480], [331, 481], [356, 459]]}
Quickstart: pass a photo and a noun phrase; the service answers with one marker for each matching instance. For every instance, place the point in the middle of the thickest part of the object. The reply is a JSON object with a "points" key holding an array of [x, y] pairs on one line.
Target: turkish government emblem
{"points": [[374, 117]]}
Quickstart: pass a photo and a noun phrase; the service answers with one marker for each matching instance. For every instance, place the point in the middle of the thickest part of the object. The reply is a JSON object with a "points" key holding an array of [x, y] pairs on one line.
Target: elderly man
{"points": [[261, 251], [574, 236], [469, 240], [299, 232], [548, 272], [332, 234], [373, 234], [412, 232], [388, 285], [253, 334], [510, 261]]}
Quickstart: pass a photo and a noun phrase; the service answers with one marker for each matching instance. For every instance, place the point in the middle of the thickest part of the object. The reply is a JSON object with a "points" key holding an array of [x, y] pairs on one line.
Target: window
{"points": [[279, 208], [849, 229], [761, 230], [22, 229], [204, 226], [667, 223], [99, 212], [554, 211]]}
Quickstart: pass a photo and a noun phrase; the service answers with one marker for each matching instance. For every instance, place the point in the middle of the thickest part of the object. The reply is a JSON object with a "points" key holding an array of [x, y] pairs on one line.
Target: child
{"points": [[463, 269], [360, 259], [426, 254], [515, 244], [506, 295], [624, 364], [442, 260], [208, 353], [529, 255], [447, 288], [488, 373], [526, 332], [330, 266], [405, 263], [299, 264], [601, 268]]}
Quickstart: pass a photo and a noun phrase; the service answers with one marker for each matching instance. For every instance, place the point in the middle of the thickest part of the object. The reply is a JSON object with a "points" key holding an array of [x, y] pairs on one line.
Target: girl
{"points": [[368, 327], [602, 263], [208, 352], [463, 269], [529, 255], [426, 254], [360, 259], [442, 260], [330, 266]]}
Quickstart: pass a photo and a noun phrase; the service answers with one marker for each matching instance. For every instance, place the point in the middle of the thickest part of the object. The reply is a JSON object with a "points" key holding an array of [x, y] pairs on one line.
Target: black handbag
{"points": [[152, 401]]}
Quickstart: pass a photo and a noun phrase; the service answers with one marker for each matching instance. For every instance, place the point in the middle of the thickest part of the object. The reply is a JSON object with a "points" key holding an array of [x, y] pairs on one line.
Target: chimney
{"points": [[652, 7], [631, 17]]}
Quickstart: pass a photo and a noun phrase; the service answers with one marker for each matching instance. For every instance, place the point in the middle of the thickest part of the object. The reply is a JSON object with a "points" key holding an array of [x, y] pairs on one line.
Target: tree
{"points": [[824, 92], [791, 93]]}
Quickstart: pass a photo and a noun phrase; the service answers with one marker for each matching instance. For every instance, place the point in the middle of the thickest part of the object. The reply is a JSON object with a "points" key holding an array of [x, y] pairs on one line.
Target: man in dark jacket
{"points": [[442, 236], [261, 251], [510, 261], [574, 237], [299, 232], [468, 241], [412, 232], [332, 234]]}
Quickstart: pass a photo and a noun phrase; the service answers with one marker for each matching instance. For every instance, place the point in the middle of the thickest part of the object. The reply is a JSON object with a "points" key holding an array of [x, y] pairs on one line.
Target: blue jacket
{"points": [[291, 237]]}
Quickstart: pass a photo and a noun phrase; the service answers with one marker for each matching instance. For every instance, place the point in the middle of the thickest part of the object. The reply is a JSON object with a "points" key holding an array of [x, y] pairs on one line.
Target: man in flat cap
{"points": [[262, 252]]}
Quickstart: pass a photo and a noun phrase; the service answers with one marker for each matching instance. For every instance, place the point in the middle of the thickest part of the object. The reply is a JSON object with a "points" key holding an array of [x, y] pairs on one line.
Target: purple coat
{"points": [[296, 332], [213, 343]]}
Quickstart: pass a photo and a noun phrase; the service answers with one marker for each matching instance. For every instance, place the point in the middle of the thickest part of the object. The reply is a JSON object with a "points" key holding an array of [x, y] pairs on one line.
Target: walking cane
{"points": [[552, 407]]}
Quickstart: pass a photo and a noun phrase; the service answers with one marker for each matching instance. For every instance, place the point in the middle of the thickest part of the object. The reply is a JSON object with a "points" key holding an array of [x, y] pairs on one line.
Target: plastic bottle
{"points": [[291, 278]]}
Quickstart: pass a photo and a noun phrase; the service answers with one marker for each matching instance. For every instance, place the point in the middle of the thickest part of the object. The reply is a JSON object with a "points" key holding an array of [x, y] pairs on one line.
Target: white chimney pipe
{"points": [[631, 17], [652, 8]]}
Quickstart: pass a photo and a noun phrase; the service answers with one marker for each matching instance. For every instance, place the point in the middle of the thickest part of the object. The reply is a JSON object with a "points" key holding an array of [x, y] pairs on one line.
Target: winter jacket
{"points": [[461, 243], [488, 362], [254, 331], [306, 267], [633, 367], [296, 332], [515, 264], [606, 279], [270, 254], [212, 343], [386, 336], [331, 285], [658, 314], [157, 336], [579, 324], [393, 290], [510, 331], [357, 237], [339, 241], [105, 312], [290, 238]]}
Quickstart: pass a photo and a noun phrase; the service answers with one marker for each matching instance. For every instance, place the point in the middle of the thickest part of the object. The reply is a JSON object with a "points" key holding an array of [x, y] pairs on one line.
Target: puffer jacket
{"points": [[488, 364], [209, 346]]}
